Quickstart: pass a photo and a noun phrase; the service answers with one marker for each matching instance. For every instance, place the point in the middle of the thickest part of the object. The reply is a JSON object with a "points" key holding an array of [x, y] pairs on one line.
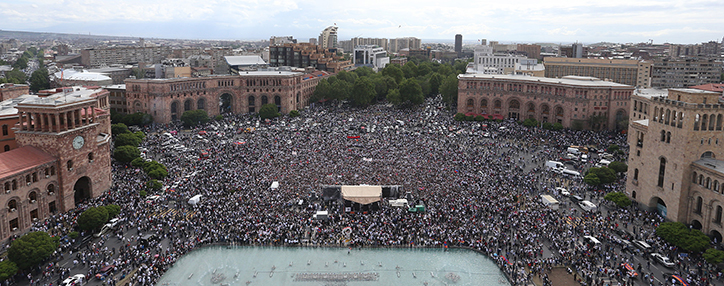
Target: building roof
{"points": [[19, 160], [244, 60], [651, 92], [81, 76], [715, 87], [569, 80], [692, 90], [711, 164], [74, 94]]}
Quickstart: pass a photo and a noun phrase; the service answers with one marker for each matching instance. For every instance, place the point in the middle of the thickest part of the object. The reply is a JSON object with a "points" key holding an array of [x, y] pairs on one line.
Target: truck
{"points": [[417, 209], [554, 165], [549, 201], [399, 203]]}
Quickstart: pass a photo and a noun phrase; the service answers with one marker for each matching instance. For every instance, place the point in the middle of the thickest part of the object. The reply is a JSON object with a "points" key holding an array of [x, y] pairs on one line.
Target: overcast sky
{"points": [[623, 21]]}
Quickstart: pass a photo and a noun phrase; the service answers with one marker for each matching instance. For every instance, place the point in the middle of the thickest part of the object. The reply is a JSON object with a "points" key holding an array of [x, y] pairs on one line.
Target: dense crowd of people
{"points": [[480, 188]]}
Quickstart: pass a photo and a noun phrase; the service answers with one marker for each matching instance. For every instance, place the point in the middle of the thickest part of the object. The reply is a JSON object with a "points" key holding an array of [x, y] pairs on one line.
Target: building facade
{"points": [[675, 165], [629, 72], [305, 55], [351, 43], [459, 45], [487, 62], [63, 157], [167, 99], [686, 72], [11, 90], [370, 56], [398, 44], [100, 57], [574, 102], [328, 38], [531, 51]]}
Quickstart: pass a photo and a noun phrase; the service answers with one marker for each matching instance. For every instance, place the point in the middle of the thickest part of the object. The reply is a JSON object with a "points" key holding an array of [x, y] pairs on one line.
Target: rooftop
{"points": [[711, 164], [19, 160], [81, 75], [715, 87], [693, 90], [569, 80], [651, 92], [244, 60], [74, 94]]}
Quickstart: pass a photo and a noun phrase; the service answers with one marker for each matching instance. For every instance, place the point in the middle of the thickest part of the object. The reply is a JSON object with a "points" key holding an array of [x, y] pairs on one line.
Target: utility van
{"points": [[551, 165], [571, 173], [587, 206]]}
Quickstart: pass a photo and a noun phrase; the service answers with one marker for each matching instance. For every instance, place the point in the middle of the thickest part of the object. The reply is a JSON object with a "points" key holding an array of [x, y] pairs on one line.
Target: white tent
{"points": [[195, 200], [362, 194]]}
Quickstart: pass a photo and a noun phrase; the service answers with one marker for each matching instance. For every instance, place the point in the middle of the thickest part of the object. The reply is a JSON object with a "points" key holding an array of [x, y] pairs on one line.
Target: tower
{"points": [[459, 45], [328, 37], [76, 130]]}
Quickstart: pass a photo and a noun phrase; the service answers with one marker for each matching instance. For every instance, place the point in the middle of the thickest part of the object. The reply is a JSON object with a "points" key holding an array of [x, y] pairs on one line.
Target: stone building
{"points": [[675, 138], [62, 159], [167, 99], [630, 72], [686, 72], [574, 102], [10, 90]]}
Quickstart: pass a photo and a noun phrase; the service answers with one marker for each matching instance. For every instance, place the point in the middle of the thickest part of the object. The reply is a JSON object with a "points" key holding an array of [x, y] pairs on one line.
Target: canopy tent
{"points": [[362, 194]]}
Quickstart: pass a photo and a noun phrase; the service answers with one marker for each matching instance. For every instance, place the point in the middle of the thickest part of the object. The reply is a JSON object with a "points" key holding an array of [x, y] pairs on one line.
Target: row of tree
{"points": [[404, 86]]}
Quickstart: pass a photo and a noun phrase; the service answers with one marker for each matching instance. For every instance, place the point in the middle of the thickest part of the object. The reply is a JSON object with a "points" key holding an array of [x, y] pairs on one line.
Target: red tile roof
{"points": [[22, 159], [715, 87]]}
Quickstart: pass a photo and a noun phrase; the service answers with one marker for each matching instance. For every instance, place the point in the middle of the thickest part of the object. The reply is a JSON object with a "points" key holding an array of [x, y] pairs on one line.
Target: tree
{"points": [[119, 128], [395, 72], [347, 76], [364, 71], [138, 162], [113, 210], [16, 76], [138, 73], [294, 113], [322, 91], [363, 92], [21, 63], [678, 234], [409, 70], [154, 185], [459, 116], [393, 96], [557, 126], [341, 89], [410, 93], [618, 167], [268, 110], [127, 139], [126, 153], [449, 90], [158, 174], [604, 174], [195, 117], [619, 198], [435, 82], [93, 218], [612, 148], [31, 249], [424, 68], [530, 122], [713, 256], [7, 269], [39, 80], [592, 179]]}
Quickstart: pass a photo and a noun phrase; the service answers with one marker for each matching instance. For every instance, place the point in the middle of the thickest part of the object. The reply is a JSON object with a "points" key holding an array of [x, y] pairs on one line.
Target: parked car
{"points": [[663, 260], [563, 192], [73, 280], [643, 245], [576, 198]]}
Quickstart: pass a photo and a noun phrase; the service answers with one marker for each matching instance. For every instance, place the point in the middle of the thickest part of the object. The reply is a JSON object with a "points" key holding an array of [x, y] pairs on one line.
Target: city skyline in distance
{"points": [[522, 21]]}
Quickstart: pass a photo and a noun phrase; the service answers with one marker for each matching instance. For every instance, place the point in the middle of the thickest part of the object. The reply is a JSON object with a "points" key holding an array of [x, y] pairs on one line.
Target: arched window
{"points": [[470, 104], [662, 171], [701, 180], [668, 137], [716, 186], [633, 194], [663, 136], [717, 216], [70, 165], [699, 203], [693, 178], [33, 197], [15, 185], [52, 170], [7, 186], [251, 100], [636, 174], [12, 206], [6, 148], [707, 183], [51, 189], [712, 121], [5, 130], [264, 100], [90, 157], [707, 154], [187, 105], [201, 104]]}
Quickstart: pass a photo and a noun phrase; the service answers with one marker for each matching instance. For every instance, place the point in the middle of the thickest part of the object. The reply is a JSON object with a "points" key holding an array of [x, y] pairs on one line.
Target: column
{"points": [[20, 120], [72, 119], [57, 123], [39, 121], [28, 120], [93, 113]]}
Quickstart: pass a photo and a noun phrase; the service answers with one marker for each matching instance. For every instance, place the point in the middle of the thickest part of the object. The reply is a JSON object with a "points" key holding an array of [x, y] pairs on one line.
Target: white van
{"points": [[574, 151], [604, 162], [587, 206], [274, 186], [552, 165], [591, 240], [571, 173], [399, 203]]}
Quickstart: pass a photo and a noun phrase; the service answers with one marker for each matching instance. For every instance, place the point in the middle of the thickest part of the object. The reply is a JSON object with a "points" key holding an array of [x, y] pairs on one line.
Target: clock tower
{"points": [[75, 129]]}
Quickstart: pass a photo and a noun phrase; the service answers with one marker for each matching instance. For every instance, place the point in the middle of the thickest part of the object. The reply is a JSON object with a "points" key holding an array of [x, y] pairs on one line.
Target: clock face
{"points": [[78, 142]]}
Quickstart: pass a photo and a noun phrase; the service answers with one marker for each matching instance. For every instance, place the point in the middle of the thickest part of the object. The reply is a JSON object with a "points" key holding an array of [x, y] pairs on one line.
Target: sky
{"points": [[517, 21]]}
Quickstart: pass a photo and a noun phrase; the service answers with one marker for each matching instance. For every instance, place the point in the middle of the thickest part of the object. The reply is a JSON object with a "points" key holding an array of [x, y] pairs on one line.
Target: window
{"points": [[699, 203], [70, 165], [717, 216], [52, 170], [5, 130], [636, 174], [90, 157], [662, 171], [12, 206], [7, 148], [51, 189]]}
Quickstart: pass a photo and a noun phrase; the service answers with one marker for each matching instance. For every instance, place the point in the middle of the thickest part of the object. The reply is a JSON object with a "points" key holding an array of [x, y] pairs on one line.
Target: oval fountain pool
{"points": [[224, 266]]}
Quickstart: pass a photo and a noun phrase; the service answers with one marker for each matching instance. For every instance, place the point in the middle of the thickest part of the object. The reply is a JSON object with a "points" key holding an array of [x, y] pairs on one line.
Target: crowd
{"points": [[480, 188]]}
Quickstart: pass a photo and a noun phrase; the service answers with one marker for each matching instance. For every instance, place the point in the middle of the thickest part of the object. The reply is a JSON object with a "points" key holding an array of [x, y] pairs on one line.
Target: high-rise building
{"points": [[275, 41], [577, 50], [487, 62], [350, 44], [459, 45], [531, 51], [685, 72], [398, 44], [629, 72], [303, 55], [370, 56], [328, 38], [675, 166]]}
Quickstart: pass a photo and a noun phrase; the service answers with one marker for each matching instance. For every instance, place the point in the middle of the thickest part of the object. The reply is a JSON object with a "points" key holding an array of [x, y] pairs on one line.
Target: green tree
{"points": [[127, 139], [363, 92], [410, 93], [138, 73], [619, 198], [424, 86], [424, 68], [195, 117], [154, 185], [530, 122], [618, 167], [605, 174], [140, 135], [612, 148], [557, 126], [341, 89], [449, 90], [435, 82], [459, 116], [322, 91], [268, 111], [294, 113], [126, 153], [7, 269], [16, 76], [393, 96], [39, 80], [460, 67], [364, 71], [113, 210], [93, 218], [713, 256], [138, 118], [409, 70], [158, 174], [119, 128], [138, 162], [349, 77], [395, 72], [592, 179], [21, 63], [31, 249], [678, 234], [446, 70]]}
